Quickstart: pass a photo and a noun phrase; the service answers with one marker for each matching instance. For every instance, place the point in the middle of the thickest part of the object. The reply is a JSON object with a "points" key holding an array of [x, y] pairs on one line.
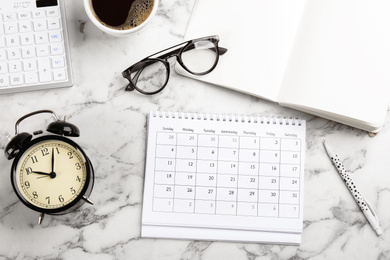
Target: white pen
{"points": [[367, 210]]}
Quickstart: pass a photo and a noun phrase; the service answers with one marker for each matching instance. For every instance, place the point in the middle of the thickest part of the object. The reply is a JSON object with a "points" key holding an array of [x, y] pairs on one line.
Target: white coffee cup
{"points": [[116, 32]]}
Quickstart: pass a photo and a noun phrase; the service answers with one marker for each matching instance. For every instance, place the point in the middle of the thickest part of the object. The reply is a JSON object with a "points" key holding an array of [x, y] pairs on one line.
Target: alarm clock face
{"points": [[51, 175]]}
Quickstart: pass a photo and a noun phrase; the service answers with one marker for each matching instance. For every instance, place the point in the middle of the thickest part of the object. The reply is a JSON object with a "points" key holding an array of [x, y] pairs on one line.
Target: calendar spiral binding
{"points": [[257, 119]]}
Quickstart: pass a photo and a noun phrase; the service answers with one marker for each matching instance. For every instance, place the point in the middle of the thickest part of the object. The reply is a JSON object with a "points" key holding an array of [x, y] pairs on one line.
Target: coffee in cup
{"points": [[120, 17]]}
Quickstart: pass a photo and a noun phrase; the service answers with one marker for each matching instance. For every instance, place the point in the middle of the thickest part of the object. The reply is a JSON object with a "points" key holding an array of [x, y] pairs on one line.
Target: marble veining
{"points": [[113, 132]]}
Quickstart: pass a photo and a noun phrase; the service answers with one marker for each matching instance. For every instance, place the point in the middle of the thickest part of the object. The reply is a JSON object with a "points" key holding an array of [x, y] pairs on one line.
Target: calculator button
{"points": [[52, 12], [13, 53], [41, 37], [42, 50], [53, 23], [59, 75], [39, 14], [25, 26], [56, 49], [3, 55], [27, 39], [15, 66], [12, 40], [28, 52], [3, 67], [40, 25], [10, 17], [58, 62], [24, 15], [55, 36], [29, 65], [16, 79], [31, 77], [10, 28], [4, 80], [44, 70]]}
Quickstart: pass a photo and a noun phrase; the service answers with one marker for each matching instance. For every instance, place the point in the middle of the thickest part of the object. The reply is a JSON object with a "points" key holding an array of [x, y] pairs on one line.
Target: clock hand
{"points": [[42, 173], [52, 174], [52, 159]]}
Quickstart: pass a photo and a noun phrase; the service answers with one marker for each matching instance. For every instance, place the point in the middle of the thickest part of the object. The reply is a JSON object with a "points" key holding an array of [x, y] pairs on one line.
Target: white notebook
{"points": [[328, 58], [224, 177]]}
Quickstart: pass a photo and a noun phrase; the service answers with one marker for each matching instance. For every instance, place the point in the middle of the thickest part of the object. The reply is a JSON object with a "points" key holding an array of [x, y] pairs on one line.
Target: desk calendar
{"points": [[224, 177]]}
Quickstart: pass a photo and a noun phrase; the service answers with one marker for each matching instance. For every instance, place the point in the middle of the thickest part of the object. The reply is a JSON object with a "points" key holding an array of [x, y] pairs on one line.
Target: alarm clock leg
{"points": [[87, 200], [41, 218]]}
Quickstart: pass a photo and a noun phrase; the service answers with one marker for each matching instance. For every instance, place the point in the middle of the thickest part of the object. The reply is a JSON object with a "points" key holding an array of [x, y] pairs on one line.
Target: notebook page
{"points": [[209, 173], [258, 36], [340, 61]]}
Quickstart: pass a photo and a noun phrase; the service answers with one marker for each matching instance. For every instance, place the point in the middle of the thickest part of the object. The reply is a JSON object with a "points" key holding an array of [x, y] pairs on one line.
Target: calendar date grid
{"points": [[227, 175]]}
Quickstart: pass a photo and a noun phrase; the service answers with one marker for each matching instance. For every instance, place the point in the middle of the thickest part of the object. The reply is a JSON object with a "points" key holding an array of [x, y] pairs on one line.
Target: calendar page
{"points": [[224, 177]]}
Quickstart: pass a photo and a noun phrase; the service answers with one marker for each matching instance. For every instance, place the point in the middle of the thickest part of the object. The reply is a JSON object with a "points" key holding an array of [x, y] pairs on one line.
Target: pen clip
{"points": [[370, 208], [372, 218]]}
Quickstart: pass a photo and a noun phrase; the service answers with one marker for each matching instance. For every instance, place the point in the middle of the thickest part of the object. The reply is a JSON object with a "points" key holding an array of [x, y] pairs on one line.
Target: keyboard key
{"points": [[15, 66], [3, 67], [53, 12], [25, 26], [39, 14], [12, 40], [3, 55], [16, 79], [23, 15], [41, 37], [4, 80], [44, 70], [2, 41], [29, 65], [56, 49], [11, 28], [42, 50], [27, 39], [10, 17], [28, 52], [40, 25], [53, 23], [58, 62], [31, 77], [59, 75], [13, 53], [55, 36]]}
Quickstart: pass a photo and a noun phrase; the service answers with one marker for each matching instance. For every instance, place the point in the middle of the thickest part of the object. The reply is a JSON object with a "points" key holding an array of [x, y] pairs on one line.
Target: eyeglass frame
{"points": [[164, 59]]}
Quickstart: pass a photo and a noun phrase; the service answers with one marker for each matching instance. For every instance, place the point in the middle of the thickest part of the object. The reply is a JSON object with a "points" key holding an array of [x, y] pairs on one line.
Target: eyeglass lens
{"points": [[198, 57], [152, 77]]}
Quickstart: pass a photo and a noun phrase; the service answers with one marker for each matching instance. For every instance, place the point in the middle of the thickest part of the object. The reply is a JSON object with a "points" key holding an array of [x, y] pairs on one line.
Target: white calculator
{"points": [[34, 46]]}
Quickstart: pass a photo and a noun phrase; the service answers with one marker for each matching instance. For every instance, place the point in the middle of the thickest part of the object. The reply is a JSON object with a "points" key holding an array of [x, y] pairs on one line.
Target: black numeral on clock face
{"points": [[28, 170], [45, 151], [34, 159]]}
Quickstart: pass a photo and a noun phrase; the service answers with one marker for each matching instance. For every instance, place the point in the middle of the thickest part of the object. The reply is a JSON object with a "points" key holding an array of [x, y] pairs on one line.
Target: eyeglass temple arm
{"points": [[221, 51], [129, 87]]}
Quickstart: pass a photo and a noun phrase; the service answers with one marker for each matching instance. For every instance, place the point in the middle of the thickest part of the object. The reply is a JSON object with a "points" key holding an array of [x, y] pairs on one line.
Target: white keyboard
{"points": [[34, 47]]}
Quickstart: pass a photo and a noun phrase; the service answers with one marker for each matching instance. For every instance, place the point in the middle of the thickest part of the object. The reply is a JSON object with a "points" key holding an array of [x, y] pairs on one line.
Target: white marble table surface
{"points": [[112, 124]]}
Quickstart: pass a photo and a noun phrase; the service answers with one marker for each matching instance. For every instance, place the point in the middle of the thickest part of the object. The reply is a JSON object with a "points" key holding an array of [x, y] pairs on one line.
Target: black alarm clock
{"points": [[50, 174]]}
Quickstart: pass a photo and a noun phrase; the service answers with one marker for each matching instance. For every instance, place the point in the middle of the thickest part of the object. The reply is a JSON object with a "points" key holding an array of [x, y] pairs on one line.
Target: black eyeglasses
{"points": [[150, 75]]}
